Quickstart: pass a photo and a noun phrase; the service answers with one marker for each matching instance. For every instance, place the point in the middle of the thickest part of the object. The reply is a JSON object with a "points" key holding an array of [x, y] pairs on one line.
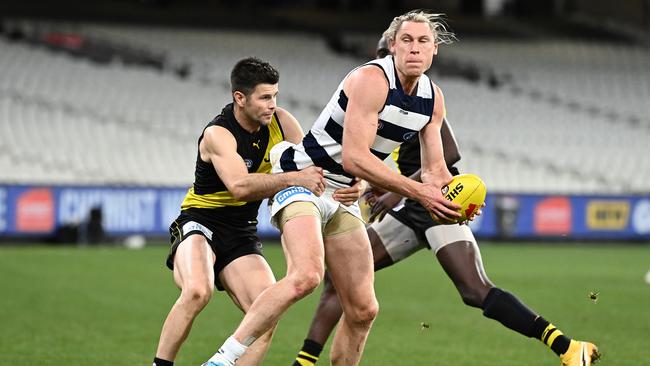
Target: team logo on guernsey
{"points": [[289, 192], [257, 144], [249, 163], [380, 125], [409, 135]]}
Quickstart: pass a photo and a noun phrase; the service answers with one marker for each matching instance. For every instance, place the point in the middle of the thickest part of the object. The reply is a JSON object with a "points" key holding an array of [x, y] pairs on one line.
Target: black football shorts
{"points": [[230, 237]]}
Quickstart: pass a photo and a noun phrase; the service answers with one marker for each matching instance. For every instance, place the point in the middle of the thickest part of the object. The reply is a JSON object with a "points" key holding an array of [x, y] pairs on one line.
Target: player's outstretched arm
{"points": [[220, 148]]}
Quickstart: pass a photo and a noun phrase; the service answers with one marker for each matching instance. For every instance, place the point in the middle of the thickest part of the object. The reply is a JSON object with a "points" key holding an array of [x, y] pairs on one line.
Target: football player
{"points": [[400, 227]]}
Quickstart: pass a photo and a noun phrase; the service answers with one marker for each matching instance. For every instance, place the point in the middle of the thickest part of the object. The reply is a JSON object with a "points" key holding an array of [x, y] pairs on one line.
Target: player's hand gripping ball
{"points": [[468, 191]]}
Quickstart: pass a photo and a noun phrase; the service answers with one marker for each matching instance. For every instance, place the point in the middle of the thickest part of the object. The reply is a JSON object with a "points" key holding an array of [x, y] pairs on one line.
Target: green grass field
{"points": [[70, 306]]}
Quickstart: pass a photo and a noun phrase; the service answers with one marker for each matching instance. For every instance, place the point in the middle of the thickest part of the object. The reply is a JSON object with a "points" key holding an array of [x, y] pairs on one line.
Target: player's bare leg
{"points": [[463, 264], [245, 279], [194, 275], [349, 260], [303, 247], [328, 313], [329, 309]]}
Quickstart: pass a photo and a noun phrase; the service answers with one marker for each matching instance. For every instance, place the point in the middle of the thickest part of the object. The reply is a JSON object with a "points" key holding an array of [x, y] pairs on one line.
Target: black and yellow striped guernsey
{"points": [[208, 191], [407, 157]]}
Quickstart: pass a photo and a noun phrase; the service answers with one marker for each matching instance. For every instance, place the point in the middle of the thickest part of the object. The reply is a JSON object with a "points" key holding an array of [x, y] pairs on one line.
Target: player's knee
{"points": [[336, 357], [305, 282], [363, 315], [197, 296], [472, 296]]}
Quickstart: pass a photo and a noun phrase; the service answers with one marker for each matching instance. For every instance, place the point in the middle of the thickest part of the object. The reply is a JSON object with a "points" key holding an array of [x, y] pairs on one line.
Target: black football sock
{"points": [[551, 336], [160, 362], [308, 355], [505, 308]]}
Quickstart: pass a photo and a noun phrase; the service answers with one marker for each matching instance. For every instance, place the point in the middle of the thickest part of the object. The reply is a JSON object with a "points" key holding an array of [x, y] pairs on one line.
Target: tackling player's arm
{"points": [[294, 134], [219, 147]]}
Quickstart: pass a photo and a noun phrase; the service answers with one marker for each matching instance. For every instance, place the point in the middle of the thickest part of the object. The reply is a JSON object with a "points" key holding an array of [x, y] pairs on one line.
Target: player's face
{"points": [[260, 104], [413, 48]]}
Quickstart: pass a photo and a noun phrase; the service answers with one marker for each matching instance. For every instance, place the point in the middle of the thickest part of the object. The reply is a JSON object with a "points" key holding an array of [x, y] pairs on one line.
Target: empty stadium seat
{"points": [[573, 119]]}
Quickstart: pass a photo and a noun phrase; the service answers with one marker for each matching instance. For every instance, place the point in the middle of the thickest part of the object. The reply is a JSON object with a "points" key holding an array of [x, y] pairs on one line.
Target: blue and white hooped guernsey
{"points": [[402, 117]]}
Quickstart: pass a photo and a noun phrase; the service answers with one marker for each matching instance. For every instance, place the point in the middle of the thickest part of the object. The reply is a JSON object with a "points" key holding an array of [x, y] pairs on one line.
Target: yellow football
{"points": [[467, 190]]}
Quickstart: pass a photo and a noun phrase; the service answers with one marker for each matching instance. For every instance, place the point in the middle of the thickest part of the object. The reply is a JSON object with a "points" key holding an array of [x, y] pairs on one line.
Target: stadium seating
{"points": [[607, 77], [572, 118], [578, 109]]}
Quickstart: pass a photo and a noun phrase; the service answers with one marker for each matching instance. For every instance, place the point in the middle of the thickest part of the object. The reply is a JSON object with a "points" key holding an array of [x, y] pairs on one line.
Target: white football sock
{"points": [[230, 352]]}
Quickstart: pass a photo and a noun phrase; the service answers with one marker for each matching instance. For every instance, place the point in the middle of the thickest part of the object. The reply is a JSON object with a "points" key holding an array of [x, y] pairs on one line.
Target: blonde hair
{"points": [[436, 23]]}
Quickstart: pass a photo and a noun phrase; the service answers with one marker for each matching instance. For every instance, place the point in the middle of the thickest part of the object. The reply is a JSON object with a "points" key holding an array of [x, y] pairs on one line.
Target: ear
{"points": [[435, 49], [239, 98], [391, 46]]}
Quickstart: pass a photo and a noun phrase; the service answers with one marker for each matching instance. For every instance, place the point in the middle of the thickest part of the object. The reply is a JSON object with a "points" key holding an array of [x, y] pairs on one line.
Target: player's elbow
{"points": [[240, 192], [351, 163]]}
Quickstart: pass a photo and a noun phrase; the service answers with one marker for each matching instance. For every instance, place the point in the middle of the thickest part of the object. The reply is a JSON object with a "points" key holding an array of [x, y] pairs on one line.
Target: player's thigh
{"points": [[302, 240], [350, 265], [193, 262], [459, 254], [245, 278]]}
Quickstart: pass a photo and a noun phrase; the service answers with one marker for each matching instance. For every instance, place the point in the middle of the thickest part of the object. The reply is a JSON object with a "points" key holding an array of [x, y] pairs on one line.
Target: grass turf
{"points": [[82, 306]]}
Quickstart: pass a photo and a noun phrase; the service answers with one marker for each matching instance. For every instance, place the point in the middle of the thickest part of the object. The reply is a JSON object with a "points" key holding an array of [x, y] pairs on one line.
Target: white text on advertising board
{"points": [[123, 210]]}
